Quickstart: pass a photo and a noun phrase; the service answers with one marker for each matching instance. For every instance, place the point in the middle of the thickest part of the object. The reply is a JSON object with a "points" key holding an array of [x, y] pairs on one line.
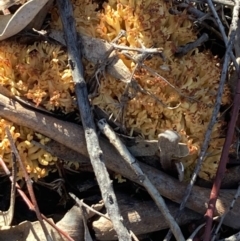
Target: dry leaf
{"points": [[71, 223], [14, 23], [27, 231]]}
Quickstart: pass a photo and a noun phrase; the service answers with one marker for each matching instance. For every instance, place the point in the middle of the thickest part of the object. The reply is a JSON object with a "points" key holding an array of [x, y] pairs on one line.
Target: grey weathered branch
{"points": [[94, 50], [72, 136], [94, 150], [142, 217], [131, 161]]}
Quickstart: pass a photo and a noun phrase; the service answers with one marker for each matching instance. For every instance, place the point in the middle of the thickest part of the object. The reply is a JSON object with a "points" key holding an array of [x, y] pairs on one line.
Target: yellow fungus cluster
{"points": [[40, 73], [195, 76], [38, 162]]}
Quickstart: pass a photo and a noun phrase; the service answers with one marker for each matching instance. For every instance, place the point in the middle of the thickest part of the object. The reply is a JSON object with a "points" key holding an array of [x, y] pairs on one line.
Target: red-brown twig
{"points": [[22, 194], [222, 163], [224, 157], [29, 203], [29, 184]]}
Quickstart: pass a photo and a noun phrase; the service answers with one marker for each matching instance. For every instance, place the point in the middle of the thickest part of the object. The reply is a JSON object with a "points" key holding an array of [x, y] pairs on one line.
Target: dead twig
{"points": [[102, 64], [237, 41], [143, 217], [136, 86], [132, 84], [224, 215], [207, 135], [150, 70], [81, 203], [121, 148], [29, 184], [87, 235], [191, 238], [222, 30], [72, 136], [139, 50], [94, 150], [29, 203], [8, 215], [228, 141]]}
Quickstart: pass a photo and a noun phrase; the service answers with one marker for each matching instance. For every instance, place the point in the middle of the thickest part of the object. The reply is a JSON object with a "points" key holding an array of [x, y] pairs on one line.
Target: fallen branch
{"points": [[142, 217], [94, 150], [94, 50], [131, 161], [72, 136]]}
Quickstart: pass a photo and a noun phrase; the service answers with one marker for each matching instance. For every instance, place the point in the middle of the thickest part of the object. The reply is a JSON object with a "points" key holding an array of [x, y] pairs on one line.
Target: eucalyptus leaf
{"points": [[14, 23]]}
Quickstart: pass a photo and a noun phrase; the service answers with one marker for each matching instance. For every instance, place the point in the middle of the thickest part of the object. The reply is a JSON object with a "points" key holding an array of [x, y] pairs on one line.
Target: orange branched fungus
{"points": [[39, 72]]}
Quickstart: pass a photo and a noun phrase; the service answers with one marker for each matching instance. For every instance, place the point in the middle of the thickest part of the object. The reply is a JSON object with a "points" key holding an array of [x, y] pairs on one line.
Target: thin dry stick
{"points": [[93, 147], [80, 202], [8, 215], [106, 60], [197, 229], [224, 215], [29, 203], [222, 164], [29, 184], [132, 84], [207, 135], [224, 157], [134, 237], [87, 235], [150, 70], [22, 194], [237, 41], [13, 189], [222, 30], [140, 50], [122, 149]]}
